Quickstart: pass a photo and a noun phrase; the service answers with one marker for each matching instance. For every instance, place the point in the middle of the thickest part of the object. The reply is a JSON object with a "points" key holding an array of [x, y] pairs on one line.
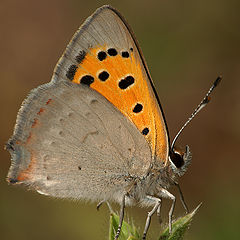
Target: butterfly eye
{"points": [[177, 159]]}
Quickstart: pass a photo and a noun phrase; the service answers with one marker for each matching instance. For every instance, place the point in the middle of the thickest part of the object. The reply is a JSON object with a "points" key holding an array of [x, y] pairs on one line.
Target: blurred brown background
{"points": [[186, 45]]}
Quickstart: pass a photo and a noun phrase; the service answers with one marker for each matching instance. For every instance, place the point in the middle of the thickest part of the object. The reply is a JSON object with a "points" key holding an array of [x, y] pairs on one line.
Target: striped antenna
{"points": [[201, 105]]}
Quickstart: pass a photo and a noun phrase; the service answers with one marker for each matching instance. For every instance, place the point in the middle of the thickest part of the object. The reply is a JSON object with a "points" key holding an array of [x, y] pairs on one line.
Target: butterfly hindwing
{"points": [[104, 55], [70, 141]]}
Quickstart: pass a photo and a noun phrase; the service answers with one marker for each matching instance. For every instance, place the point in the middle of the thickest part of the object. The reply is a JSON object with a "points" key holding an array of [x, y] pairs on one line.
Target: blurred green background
{"points": [[186, 45]]}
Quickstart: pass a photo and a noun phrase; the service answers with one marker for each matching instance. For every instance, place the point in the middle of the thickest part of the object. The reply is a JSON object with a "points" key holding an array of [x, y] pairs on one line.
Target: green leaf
{"points": [[129, 232], [179, 227]]}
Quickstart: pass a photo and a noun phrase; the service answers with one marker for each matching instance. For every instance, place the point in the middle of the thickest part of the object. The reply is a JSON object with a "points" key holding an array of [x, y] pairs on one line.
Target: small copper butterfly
{"points": [[97, 130]]}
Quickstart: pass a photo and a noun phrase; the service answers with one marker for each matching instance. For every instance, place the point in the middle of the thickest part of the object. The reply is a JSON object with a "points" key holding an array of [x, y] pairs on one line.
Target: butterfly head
{"points": [[180, 160]]}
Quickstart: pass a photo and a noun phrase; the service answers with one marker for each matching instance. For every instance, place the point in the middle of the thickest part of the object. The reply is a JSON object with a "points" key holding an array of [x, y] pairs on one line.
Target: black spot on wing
{"points": [[125, 54], [145, 131], [71, 72], [87, 80], [138, 108], [112, 51], [101, 56], [103, 76], [80, 56], [126, 82]]}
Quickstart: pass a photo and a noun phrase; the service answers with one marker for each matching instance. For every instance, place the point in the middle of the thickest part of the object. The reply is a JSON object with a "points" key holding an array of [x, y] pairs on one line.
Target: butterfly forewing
{"points": [[104, 55]]}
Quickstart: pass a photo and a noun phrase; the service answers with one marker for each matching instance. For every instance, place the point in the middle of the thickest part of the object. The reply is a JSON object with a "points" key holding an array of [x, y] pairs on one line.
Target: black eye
{"points": [[177, 159]]}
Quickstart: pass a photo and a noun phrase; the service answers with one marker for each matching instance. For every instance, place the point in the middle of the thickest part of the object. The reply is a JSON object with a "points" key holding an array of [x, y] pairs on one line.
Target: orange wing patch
{"points": [[27, 173], [118, 76]]}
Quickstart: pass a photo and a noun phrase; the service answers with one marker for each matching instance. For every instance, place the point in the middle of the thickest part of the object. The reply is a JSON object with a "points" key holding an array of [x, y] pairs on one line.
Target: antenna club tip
{"points": [[202, 104], [218, 80]]}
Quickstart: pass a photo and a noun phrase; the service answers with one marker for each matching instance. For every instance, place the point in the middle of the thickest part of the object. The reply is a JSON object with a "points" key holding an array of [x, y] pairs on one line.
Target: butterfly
{"points": [[97, 130]]}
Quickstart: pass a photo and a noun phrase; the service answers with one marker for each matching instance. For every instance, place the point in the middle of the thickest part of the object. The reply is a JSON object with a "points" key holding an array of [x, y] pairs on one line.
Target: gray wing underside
{"points": [[69, 141], [106, 27]]}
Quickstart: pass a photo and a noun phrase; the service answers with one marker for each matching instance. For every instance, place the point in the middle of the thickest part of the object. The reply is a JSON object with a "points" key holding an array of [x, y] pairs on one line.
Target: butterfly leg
{"points": [[182, 198], [120, 218], [108, 204], [100, 204], [155, 208], [164, 193], [159, 213]]}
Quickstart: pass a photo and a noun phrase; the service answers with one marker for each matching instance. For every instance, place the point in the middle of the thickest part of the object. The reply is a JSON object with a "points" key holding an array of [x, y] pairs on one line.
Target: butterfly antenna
{"points": [[201, 105]]}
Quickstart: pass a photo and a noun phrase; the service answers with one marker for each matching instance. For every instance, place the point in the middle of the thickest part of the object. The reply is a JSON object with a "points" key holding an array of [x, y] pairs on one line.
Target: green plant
{"points": [[130, 232]]}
